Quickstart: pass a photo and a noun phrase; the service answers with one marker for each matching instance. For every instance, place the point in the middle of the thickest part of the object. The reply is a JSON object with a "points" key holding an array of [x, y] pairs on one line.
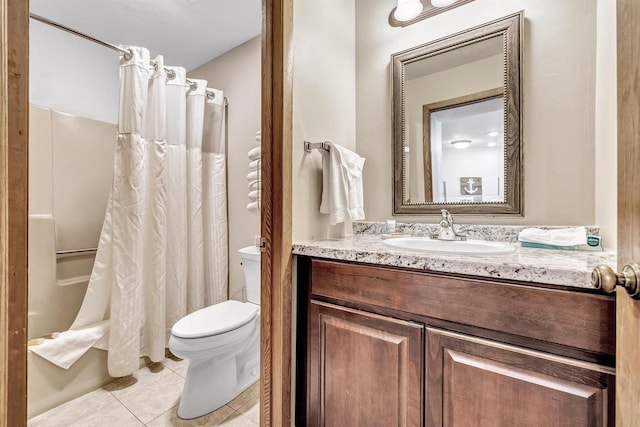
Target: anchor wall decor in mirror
{"points": [[457, 122]]}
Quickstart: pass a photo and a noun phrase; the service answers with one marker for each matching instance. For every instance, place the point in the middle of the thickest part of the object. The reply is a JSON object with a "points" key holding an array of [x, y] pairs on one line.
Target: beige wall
{"points": [[606, 124], [70, 74], [324, 108], [237, 73], [559, 86]]}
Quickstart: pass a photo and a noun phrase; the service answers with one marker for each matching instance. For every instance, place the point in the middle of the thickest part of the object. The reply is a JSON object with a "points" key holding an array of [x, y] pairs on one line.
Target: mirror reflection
{"points": [[454, 139], [456, 122]]}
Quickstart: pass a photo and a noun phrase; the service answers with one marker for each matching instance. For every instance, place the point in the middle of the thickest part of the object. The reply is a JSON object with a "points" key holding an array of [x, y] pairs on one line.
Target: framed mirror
{"points": [[457, 123]]}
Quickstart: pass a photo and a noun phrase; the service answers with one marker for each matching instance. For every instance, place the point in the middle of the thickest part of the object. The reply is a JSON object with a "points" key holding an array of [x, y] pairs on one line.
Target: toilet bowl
{"points": [[222, 345]]}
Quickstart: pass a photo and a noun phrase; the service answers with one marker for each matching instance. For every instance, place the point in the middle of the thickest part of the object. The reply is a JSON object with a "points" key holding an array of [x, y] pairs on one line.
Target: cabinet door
{"points": [[363, 369], [475, 382]]}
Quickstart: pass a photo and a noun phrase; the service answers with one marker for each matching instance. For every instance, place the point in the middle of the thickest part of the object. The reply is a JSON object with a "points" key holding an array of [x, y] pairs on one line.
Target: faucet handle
{"points": [[447, 231], [446, 216]]}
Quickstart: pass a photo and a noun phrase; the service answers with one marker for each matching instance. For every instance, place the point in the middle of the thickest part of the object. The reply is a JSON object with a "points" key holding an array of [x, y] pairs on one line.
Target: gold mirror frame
{"points": [[510, 29]]}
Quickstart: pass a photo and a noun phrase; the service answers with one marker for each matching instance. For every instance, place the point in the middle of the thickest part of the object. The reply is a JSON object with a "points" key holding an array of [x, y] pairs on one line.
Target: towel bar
{"points": [[309, 146], [75, 252]]}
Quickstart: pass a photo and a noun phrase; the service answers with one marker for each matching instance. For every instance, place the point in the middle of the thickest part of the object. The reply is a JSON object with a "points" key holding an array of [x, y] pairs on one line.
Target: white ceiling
{"points": [[187, 33]]}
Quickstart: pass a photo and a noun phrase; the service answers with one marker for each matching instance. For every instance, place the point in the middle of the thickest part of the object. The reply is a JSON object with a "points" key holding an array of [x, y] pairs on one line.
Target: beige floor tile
{"points": [[113, 415], [77, 409], [238, 420], [175, 363], [155, 399], [253, 413], [247, 399], [182, 371], [140, 379], [171, 419]]}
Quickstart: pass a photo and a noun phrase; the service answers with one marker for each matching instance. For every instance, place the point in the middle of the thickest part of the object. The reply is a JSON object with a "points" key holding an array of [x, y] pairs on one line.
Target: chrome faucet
{"points": [[446, 228]]}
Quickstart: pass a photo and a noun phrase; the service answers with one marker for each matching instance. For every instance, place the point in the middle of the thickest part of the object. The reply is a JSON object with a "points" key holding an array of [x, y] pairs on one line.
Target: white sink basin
{"points": [[466, 247]]}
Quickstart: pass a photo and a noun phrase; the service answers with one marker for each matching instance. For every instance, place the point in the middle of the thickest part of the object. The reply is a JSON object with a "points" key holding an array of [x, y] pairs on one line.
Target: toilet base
{"points": [[212, 383]]}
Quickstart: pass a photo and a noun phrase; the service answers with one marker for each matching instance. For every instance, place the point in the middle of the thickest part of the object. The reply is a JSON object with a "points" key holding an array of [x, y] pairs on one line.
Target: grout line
{"points": [[238, 414], [174, 370], [125, 407], [154, 381], [169, 410]]}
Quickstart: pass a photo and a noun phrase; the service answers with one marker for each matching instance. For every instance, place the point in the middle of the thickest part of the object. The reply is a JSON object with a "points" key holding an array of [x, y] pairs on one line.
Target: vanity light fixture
{"points": [[442, 3], [406, 10], [461, 143]]}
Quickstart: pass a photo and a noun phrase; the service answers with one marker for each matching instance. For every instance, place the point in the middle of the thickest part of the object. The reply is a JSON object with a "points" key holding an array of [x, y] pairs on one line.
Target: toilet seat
{"points": [[215, 320]]}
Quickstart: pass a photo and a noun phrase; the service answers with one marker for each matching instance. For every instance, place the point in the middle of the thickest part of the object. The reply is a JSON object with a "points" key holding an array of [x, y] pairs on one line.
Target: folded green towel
{"points": [[594, 243]]}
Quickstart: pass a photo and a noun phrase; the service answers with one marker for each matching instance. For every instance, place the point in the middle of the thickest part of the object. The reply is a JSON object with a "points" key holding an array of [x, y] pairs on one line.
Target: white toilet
{"points": [[222, 345]]}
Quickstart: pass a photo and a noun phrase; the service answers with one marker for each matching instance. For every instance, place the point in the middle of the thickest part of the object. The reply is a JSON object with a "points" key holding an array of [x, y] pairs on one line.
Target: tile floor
{"points": [[149, 397]]}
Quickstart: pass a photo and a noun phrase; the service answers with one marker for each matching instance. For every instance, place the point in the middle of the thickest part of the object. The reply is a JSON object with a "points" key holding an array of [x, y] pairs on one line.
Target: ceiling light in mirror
{"points": [[494, 133], [442, 3], [461, 144], [406, 10]]}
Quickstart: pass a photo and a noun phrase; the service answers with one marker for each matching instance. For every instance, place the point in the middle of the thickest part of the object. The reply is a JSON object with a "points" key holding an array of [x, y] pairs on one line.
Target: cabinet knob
{"points": [[605, 278]]}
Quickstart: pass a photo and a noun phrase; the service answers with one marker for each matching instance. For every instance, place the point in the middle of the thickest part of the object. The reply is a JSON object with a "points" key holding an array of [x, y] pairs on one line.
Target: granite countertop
{"points": [[552, 267]]}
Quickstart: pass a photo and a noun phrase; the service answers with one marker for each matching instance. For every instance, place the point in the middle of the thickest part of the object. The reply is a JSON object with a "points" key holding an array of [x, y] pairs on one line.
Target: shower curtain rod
{"points": [[125, 52]]}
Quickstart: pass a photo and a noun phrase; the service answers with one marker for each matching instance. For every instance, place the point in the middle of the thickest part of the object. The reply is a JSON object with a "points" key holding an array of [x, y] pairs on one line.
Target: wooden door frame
{"points": [[276, 308], [275, 389], [13, 210]]}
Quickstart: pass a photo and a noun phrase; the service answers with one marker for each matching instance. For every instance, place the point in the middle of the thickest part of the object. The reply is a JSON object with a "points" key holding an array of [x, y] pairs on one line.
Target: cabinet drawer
{"points": [[581, 320]]}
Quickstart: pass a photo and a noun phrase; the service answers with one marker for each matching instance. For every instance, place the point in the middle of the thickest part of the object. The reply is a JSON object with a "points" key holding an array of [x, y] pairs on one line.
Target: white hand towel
{"points": [[254, 153], [559, 237], [253, 176], [254, 165], [255, 185], [342, 195], [254, 196], [254, 207], [69, 346]]}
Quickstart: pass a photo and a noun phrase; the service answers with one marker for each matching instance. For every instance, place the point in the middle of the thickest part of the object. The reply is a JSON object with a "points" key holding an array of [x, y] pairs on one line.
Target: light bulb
{"points": [[406, 10], [442, 3]]}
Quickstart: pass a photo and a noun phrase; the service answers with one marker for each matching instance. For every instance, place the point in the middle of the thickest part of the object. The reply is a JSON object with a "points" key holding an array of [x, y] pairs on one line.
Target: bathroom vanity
{"points": [[389, 337]]}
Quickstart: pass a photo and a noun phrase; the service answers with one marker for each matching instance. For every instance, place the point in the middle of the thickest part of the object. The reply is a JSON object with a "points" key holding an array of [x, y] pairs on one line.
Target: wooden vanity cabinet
{"points": [[382, 346]]}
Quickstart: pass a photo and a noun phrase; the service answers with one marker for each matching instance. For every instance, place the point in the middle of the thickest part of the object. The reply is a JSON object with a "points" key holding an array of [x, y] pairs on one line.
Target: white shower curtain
{"points": [[176, 185], [163, 247], [195, 124], [216, 266]]}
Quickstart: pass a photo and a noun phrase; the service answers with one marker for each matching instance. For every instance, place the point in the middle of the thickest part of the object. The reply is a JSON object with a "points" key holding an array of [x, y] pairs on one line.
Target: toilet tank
{"points": [[250, 259]]}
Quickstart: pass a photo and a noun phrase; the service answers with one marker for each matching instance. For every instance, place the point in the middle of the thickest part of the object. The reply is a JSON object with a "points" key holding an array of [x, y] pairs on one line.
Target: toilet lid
{"points": [[216, 319]]}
